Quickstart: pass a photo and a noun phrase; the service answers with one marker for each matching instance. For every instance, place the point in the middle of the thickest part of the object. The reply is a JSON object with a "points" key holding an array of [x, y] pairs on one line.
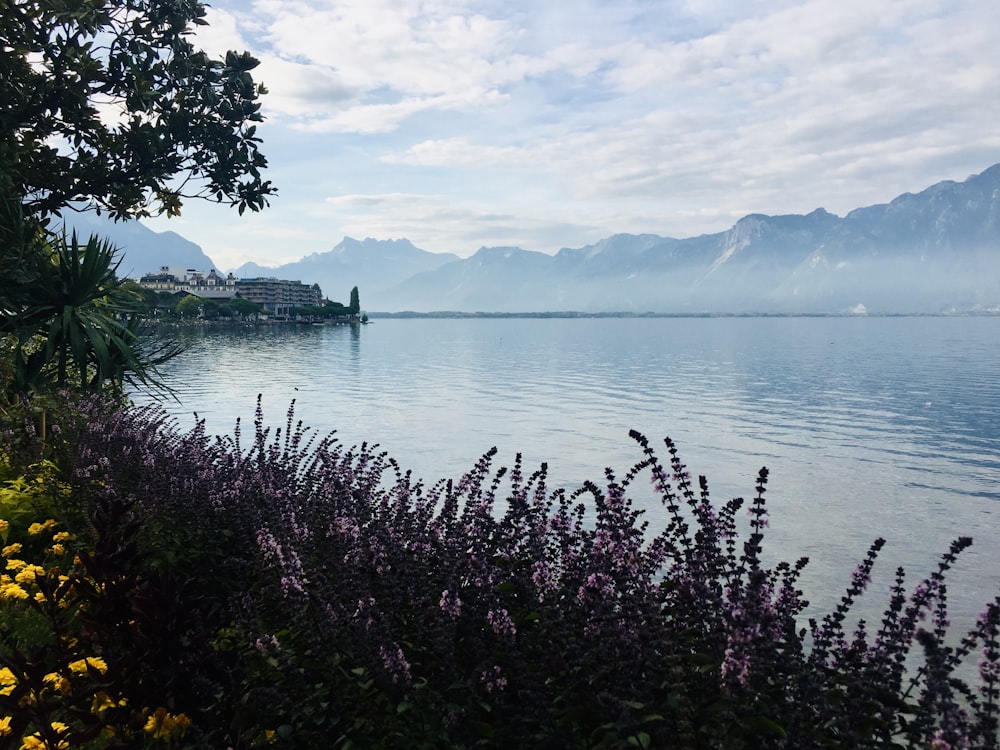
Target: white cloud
{"points": [[409, 47], [386, 60], [382, 118], [473, 122], [458, 153], [444, 224], [221, 33]]}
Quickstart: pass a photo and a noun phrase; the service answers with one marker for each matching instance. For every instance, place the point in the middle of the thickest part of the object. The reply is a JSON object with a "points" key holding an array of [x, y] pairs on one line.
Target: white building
{"points": [[191, 281], [276, 296]]}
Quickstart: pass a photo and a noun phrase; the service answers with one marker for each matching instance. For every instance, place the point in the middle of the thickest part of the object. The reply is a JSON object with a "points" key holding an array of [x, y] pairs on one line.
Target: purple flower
{"points": [[395, 663], [267, 644], [493, 679], [501, 623], [735, 663], [544, 579], [597, 586], [450, 603]]}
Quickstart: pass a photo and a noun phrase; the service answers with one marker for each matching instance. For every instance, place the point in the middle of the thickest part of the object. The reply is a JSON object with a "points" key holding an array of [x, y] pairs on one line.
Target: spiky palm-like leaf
{"points": [[79, 326]]}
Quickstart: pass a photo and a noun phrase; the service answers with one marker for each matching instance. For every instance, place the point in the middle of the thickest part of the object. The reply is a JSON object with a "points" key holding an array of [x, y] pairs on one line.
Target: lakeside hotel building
{"points": [[274, 296]]}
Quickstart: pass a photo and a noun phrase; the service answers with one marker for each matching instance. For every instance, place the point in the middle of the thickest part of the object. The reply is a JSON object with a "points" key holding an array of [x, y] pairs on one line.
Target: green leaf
{"points": [[765, 725], [640, 739]]}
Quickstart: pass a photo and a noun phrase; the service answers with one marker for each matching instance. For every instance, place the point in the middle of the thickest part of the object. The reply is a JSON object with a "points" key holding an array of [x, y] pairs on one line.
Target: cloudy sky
{"points": [[545, 124]]}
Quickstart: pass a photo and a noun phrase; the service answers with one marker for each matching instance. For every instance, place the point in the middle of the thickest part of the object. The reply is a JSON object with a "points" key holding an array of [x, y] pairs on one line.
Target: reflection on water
{"points": [[869, 426]]}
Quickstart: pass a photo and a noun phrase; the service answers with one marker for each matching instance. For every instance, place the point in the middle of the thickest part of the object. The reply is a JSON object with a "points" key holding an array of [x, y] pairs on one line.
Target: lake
{"points": [[869, 426]]}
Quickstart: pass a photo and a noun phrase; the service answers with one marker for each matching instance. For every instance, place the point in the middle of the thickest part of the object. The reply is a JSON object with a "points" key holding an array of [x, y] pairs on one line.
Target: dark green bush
{"points": [[298, 592]]}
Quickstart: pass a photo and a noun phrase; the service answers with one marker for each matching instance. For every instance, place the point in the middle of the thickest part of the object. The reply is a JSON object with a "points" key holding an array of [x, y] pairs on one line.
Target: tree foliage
{"points": [[242, 306], [76, 325], [147, 299], [189, 306], [107, 106], [110, 105], [330, 309]]}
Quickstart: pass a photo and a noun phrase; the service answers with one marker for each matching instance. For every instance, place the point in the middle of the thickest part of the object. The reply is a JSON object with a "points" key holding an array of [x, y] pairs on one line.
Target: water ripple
{"points": [[879, 423]]}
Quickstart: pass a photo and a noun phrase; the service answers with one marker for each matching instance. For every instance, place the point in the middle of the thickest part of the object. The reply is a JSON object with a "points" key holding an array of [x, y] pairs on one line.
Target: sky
{"points": [[544, 124]]}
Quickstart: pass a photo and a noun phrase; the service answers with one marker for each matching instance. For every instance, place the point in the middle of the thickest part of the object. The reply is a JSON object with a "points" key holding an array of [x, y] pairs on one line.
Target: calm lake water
{"points": [[869, 426]]}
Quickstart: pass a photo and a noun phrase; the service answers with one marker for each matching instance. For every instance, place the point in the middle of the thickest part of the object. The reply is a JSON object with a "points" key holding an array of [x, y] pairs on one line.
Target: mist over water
{"points": [[869, 426]]}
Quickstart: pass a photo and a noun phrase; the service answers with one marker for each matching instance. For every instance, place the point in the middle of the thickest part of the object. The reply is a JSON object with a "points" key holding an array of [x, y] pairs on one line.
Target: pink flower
{"points": [[450, 603]]}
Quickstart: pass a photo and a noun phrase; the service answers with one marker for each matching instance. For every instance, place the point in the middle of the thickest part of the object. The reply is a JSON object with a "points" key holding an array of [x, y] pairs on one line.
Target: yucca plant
{"points": [[74, 325]]}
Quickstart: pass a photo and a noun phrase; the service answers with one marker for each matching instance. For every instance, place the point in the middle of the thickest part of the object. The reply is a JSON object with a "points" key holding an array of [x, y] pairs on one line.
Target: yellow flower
{"points": [[4, 526], [5, 726], [29, 573], [92, 662], [155, 722], [38, 528], [162, 724], [15, 564], [11, 549], [57, 682], [35, 741], [13, 591], [60, 536], [7, 681], [58, 549], [103, 701]]}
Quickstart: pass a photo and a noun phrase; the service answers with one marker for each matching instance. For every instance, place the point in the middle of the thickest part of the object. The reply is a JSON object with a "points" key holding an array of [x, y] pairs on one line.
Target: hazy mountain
{"points": [[142, 249], [252, 270], [374, 266], [935, 251]]}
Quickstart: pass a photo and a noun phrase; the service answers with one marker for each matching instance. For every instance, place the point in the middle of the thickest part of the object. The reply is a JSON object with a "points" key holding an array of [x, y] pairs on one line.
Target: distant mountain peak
{"points": [[934, 250], [142, 250]]}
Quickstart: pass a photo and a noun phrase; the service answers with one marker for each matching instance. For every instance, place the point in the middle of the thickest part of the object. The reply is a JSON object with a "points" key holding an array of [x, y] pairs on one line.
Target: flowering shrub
{"points": [[56, 687], [295, 592]]}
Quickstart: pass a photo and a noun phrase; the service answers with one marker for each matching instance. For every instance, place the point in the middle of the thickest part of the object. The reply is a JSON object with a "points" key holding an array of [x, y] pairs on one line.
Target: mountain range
{"points": [[929, 252], [141, 249]]}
